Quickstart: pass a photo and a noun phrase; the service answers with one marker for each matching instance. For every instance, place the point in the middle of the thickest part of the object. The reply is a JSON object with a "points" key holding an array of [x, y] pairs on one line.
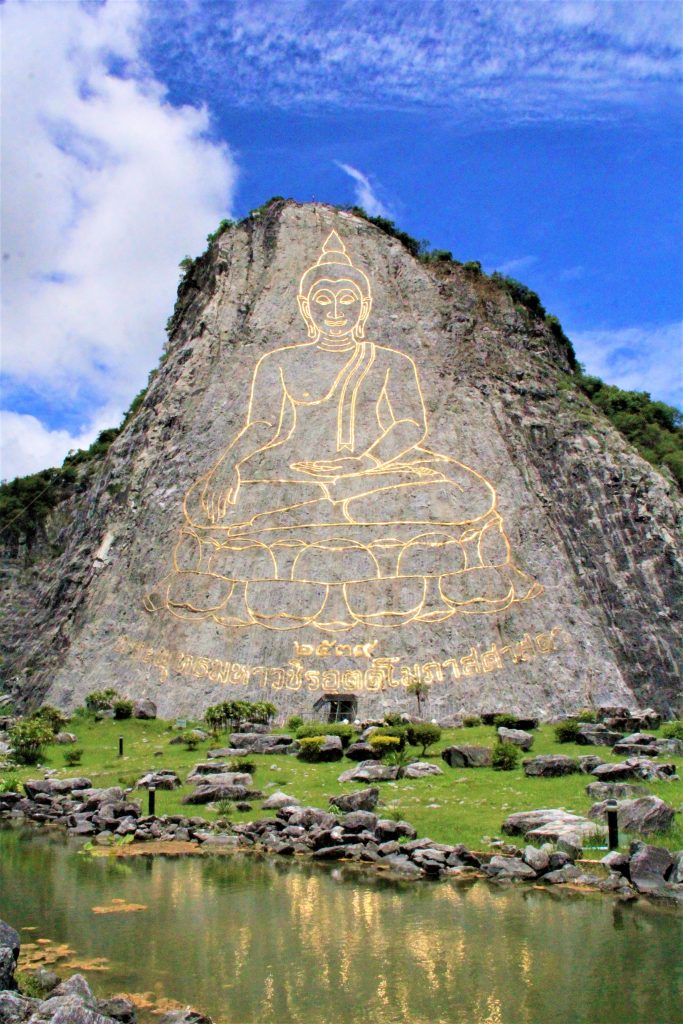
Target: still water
{"points": [[251, 940]]}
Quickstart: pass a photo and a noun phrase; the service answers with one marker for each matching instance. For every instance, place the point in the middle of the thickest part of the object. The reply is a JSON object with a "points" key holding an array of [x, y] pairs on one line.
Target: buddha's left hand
{"points": [[348, 466]]}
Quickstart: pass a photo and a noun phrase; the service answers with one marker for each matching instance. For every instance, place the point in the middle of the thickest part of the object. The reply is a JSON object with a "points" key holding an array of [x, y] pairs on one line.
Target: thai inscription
{"points": [[382, 673], [329, 507]]}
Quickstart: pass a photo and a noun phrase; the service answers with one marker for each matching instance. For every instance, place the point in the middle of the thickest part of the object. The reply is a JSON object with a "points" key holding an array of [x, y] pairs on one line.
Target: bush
{"points": [[673, 731], [504, 721], [294, 723], [399, 732], [50, 716], [9, 783], [123, 709], [505, 757], [470, 721], [423, 734], [586, 715], [101, 700], [190, 739], [28, 739], [224, 808], [383, 745], [73, 757], [345, 732], [393, 718], [242, 766], [567, 732], [310, 748]]}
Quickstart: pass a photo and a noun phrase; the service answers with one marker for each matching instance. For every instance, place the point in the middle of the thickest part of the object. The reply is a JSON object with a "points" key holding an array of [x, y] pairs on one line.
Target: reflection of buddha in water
{"points": [[326, 508]]}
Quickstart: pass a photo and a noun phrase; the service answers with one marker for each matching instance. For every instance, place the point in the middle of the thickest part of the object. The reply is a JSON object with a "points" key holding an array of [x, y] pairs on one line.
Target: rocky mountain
{"points": [[354, 472]]}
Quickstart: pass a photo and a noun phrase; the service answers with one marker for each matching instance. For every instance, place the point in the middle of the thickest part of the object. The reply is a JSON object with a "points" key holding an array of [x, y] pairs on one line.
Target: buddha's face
{"points": [[335, 309]]}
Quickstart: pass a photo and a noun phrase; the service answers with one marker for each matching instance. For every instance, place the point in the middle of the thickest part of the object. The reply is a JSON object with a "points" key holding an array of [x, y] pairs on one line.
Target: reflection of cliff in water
{"points": [[328, 508]]}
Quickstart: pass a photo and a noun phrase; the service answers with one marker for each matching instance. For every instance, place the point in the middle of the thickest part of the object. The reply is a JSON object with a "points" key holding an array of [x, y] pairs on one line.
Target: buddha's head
{"points": [[334, 296]]}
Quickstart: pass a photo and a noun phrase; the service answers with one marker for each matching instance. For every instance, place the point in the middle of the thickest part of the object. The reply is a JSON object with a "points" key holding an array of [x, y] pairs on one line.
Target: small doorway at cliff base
{"points": [[335, 707]]}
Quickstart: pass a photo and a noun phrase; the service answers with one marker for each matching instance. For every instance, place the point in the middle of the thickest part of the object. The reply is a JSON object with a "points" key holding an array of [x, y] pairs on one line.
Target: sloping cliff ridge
{"points": [[586, 518]]}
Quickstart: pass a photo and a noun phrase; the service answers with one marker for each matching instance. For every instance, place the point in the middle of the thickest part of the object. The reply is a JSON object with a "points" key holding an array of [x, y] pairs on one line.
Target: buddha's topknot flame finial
{"points": [[334, 251]]}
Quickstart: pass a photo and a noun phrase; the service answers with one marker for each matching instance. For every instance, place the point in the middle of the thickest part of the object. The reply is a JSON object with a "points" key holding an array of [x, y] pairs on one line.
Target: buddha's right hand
{"points": [[220, 494]]}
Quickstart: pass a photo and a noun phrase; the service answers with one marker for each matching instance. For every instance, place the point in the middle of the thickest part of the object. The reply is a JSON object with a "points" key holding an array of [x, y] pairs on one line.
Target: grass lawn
{"points": [[463, 805]]}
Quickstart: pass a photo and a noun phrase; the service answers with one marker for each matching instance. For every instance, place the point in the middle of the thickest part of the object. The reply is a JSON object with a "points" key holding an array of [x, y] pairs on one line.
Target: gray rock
{"points": [[509, 867], [536, 858], [259, 743], [210, 793], [64, 738], [520, 738], [15, 1009], [53, 787], [163, 779], [523, 822], [279, 799], [185, 1017], [9, 954], [569, 873], [465, 756], [676, 872], [420, 769], [119, 1009], [361, 800], [330, 750], [370, 771], [614, 772], [649, 866], [361, 752], [402, 866], [614, 790], [644, 816], [618, 862], [588, 762], [387, 828], [592, 735], [144, 708], [206, 768], [550, 766], [672, 747], [76, 986], [357, 821], [330, 853], [308, 817]]}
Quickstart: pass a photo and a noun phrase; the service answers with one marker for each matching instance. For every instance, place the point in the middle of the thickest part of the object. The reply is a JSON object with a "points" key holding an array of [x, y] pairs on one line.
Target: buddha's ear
{"points": [[365, 308], [304, 309]]}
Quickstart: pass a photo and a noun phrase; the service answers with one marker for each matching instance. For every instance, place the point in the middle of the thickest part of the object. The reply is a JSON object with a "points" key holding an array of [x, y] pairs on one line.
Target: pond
{"points": [[252, 940]]}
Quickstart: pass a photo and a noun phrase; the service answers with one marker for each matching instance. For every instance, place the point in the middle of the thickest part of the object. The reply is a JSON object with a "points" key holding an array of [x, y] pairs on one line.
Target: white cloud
{"points": [[365, 193], [645, 358], [28, 445], [106, 186], [515, 265]]}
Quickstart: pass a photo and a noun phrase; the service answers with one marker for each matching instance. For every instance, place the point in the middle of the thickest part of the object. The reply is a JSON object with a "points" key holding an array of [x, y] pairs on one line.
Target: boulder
{"points": [[592, 735], [676, 872], [673, 747], [645, 815], [523, 822], [618, 862], [330, 749], [615, 772], [66, 738], [464, 756], [185, 1017], [9, 954], [310, 817], [119, 1009], [387, 829], [361, 752], [54, 787], [370, 771], [144, 708], [614, 790], [213, 792], [361, 800], [420, 769], [568, 873], [649, 866], [15, 1009], [359, 821], [509, 867], [588, 762], [536, 858], [521, 739], [166, 778], [206, 768], [550, 766], [568, 836], [279, 799], [260, 743]]}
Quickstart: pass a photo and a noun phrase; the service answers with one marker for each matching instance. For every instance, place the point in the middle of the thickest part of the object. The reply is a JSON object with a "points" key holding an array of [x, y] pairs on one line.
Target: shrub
{"points": [[504, 721], [242, 766], [505, 757], [123, 709], [294, 722], [50, 716], [9, 783], [28, 739], [101, 700], [73, 757], [470, 721], [384, 745], [673, 731], [586, 715], [190, 739], [310, 748], [399, 732], [345, 732], [393, 718], [423, 734], [567, 732], [224, 808]]}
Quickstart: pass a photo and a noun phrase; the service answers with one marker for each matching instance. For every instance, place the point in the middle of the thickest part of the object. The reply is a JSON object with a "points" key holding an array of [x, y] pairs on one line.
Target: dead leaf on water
{"points": [[99, 963], [119, 906]]}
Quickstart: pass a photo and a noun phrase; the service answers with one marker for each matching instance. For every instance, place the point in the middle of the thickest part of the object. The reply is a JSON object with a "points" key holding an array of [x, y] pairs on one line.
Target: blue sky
{"points": [[540, 138]]}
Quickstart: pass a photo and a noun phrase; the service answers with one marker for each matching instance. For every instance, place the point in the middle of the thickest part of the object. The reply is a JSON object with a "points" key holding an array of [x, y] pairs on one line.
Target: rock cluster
{"points": [[66, 1002]]}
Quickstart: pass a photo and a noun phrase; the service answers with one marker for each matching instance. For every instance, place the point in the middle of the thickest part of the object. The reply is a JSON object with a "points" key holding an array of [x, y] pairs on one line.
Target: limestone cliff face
{"points": [[514, 554]]}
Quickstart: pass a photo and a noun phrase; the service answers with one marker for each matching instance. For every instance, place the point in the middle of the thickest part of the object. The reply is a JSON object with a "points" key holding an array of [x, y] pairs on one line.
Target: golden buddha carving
{"points": [[328, 508]]}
